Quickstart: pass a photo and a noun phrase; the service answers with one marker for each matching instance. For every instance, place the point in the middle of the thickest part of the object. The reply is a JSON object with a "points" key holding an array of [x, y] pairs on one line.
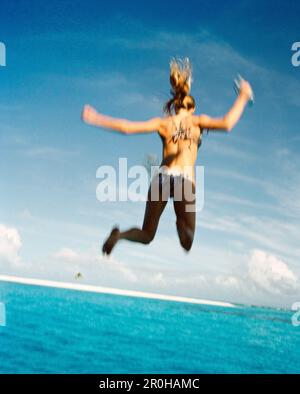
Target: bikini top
{"points": [[184, 133]]}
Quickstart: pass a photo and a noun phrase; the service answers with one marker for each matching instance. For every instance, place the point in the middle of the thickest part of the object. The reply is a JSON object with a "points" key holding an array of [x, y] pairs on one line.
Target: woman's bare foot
{"points": [[111, 241]]}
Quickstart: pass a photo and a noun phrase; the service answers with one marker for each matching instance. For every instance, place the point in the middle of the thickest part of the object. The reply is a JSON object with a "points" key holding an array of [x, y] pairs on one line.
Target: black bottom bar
{"points": [[132, 383]]}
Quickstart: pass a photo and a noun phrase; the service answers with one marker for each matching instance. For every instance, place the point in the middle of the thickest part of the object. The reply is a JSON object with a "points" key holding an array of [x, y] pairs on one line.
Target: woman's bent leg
{"points": [[143, 235]]}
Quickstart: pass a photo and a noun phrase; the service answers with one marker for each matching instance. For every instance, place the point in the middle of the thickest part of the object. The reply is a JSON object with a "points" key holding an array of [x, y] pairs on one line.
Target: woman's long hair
{"points": [[180, 79]]}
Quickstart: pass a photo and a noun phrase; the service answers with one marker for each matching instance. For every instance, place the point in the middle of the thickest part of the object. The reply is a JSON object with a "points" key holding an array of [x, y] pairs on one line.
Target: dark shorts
{"points": [[177, 187]]}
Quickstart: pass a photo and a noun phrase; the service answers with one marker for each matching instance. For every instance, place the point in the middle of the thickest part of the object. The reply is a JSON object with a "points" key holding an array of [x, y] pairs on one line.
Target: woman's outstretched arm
{"points": [[92, 117], [227, 122]]}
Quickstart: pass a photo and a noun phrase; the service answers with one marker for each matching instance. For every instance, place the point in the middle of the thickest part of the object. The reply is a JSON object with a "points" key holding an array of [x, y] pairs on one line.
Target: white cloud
{"points": [[49, 152], [67, 254], [159, 279], [261, 278], [262, 231], [10, 245], [227, 281], [270, 274]]}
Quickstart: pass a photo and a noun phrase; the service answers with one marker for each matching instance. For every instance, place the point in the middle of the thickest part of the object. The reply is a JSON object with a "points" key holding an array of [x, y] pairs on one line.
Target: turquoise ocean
{"points": [[51, 330]]}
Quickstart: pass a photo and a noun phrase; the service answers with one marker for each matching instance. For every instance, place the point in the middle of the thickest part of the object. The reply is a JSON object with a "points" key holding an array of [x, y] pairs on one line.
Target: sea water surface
{"points": [[51, 330]]}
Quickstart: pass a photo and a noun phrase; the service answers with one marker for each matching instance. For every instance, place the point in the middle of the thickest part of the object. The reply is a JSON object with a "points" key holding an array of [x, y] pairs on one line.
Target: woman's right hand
{"points": [[89, 114], [246, 89]]}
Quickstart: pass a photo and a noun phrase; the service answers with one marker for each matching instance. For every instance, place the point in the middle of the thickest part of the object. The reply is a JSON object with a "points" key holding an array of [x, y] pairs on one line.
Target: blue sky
{"points": [[115, 56]]}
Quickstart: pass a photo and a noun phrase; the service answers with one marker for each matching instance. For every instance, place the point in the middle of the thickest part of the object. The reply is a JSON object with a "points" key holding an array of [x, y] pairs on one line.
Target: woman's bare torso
{"points": [[180, 143]]}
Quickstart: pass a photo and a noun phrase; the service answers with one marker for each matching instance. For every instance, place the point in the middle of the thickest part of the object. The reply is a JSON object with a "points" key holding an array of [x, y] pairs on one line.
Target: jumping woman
{"points": [[181, 133]]}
